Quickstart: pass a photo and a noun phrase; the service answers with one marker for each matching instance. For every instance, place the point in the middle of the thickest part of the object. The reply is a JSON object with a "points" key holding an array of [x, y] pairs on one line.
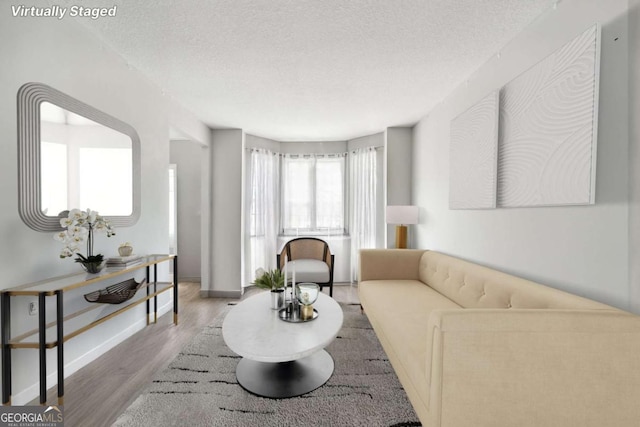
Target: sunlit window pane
{"points": [[54, 178], [313, 196], [329, 196], [109, 170], [298, 193]]}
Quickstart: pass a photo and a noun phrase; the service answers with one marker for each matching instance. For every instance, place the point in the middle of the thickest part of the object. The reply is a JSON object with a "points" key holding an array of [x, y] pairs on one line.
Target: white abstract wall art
{"points": [[548, 129], [472, 156]]}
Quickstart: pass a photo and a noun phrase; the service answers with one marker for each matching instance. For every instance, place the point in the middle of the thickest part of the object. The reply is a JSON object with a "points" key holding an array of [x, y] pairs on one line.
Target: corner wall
{"points": [[398, 150], [634, 155], [581, 249], [227, 172]]}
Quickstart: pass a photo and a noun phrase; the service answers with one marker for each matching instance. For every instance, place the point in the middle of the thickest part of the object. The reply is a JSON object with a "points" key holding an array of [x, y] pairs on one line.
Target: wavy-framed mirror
{"points": [[72, 155]]}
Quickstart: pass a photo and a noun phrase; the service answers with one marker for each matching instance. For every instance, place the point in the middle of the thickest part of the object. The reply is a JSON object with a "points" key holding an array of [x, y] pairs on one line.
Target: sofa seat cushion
{"points": [[402, 309], [309, 270]]}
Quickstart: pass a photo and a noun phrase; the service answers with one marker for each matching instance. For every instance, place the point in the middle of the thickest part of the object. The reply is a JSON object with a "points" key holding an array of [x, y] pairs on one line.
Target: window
{"points": [[111, 183], [53, 179], [313, 194], [107, 186]]}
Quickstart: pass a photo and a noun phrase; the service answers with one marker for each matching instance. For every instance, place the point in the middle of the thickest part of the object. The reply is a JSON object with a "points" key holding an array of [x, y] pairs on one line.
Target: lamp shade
{"points": [[402, 214]]}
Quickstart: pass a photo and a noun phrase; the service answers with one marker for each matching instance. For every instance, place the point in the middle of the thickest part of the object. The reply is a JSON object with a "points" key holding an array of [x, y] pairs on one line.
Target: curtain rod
{"points": [[377, 147], [295, 155]]}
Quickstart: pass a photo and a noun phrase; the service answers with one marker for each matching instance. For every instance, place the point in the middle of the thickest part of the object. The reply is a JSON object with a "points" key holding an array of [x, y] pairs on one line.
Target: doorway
{"points": [[185, 207]]}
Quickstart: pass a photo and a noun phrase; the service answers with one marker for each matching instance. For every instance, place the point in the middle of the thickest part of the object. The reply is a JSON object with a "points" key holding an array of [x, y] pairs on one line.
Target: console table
{"points": [[58, 333]]}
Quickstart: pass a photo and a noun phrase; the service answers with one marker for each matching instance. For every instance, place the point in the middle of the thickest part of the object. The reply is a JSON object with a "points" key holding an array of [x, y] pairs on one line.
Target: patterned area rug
{"points": [[199, 388]]}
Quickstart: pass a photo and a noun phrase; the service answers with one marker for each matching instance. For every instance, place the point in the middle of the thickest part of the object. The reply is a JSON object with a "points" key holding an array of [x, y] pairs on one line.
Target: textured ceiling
{"points": [[311, 70]]}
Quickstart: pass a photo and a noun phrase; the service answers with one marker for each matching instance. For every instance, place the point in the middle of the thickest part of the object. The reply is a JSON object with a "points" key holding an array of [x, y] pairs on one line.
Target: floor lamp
{"points": [[402, 216]]}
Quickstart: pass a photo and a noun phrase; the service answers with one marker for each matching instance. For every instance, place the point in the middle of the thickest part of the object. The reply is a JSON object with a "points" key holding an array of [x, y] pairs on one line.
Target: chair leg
{"points": [[331, 290]]}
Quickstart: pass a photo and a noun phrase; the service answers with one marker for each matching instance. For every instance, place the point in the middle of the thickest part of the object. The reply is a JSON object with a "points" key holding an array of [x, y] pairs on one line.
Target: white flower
{"points": [[80, 226], [259, 273], [67, 252], [92, 216], [66, 222], [61, 236], [76, 214]]}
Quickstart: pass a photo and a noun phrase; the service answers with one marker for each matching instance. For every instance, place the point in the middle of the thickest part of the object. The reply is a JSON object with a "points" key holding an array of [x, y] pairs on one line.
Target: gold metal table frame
{"points": [[57, 286]]}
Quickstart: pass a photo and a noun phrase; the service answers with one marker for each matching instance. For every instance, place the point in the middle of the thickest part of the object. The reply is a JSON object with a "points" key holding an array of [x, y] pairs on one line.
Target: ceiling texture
{"points": [[310, 70]]}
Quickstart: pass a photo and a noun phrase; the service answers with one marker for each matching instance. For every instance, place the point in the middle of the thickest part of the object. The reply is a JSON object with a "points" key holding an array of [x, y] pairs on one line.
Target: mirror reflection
{"points": [[84, 164]]}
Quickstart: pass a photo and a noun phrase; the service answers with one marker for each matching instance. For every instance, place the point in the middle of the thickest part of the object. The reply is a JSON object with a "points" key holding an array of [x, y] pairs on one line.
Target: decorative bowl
{"points": [[125, 250], [307, 293]]}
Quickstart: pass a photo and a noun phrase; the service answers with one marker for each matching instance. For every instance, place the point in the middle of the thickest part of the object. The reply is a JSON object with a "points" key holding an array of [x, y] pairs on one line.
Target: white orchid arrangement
{"points": [[80, 226]]}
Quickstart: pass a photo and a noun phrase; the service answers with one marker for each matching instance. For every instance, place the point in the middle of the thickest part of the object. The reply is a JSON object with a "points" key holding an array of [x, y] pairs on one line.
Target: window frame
{"points": [[314, 230]]}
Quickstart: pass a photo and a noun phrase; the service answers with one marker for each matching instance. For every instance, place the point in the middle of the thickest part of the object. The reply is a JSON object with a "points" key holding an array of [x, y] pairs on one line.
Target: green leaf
{"points": [[273, 279]]}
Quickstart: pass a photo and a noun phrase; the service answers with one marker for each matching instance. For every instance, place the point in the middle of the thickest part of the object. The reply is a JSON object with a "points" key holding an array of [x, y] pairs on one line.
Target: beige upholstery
{"points": [[474, 286], [476, 347]]}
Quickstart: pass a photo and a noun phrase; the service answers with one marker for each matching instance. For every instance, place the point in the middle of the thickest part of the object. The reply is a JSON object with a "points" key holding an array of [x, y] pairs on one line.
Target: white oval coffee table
{"points": [[281, 359]]}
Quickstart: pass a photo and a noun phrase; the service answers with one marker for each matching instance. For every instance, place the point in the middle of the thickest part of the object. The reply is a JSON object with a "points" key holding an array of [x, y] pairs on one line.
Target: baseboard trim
{"points": [[33, 391], [220, 294], [189, 279]]}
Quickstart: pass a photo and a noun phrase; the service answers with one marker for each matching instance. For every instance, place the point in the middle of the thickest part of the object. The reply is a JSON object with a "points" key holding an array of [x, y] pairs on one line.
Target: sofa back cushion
{"points": [[474, 286]]}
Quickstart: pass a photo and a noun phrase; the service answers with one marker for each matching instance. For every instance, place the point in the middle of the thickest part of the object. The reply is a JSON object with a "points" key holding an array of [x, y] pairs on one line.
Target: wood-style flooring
{"points": [[98, 393]]}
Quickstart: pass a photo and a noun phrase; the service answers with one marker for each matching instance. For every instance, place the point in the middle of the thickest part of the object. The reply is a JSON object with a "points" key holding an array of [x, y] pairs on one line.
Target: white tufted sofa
{"points": [[476, 347]]}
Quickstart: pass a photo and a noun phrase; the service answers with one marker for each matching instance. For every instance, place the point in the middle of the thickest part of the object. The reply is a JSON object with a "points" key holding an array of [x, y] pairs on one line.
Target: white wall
{"points": [[227, 216], [399, 166], [187, 156], [634, 157], [184, 125], [252, 141], [303, 147], [582, 249], [62, 54]]}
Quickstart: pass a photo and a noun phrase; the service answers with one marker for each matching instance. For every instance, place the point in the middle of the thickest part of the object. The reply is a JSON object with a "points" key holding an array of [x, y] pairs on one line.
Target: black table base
{"points": [[285, 379]]}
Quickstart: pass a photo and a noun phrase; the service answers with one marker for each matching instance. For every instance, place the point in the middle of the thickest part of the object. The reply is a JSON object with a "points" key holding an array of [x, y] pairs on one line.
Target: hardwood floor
{"points": [[98, 393]]}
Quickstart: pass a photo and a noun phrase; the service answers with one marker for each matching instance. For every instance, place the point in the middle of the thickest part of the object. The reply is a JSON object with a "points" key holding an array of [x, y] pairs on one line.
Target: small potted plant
{"points": [[274, 281]]}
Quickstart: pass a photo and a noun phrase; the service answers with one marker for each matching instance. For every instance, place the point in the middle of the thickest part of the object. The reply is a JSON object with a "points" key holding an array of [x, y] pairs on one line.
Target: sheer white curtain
{"points": [[263, 211], [362, 203]]}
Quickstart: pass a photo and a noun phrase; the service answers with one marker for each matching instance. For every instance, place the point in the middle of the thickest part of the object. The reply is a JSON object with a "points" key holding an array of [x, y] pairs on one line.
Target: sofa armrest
{"points": [[534, 367], [388, 264]]}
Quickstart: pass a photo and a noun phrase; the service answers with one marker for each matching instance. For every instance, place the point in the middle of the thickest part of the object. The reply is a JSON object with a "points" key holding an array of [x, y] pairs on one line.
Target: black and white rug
{"points": [[199, 388]]}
